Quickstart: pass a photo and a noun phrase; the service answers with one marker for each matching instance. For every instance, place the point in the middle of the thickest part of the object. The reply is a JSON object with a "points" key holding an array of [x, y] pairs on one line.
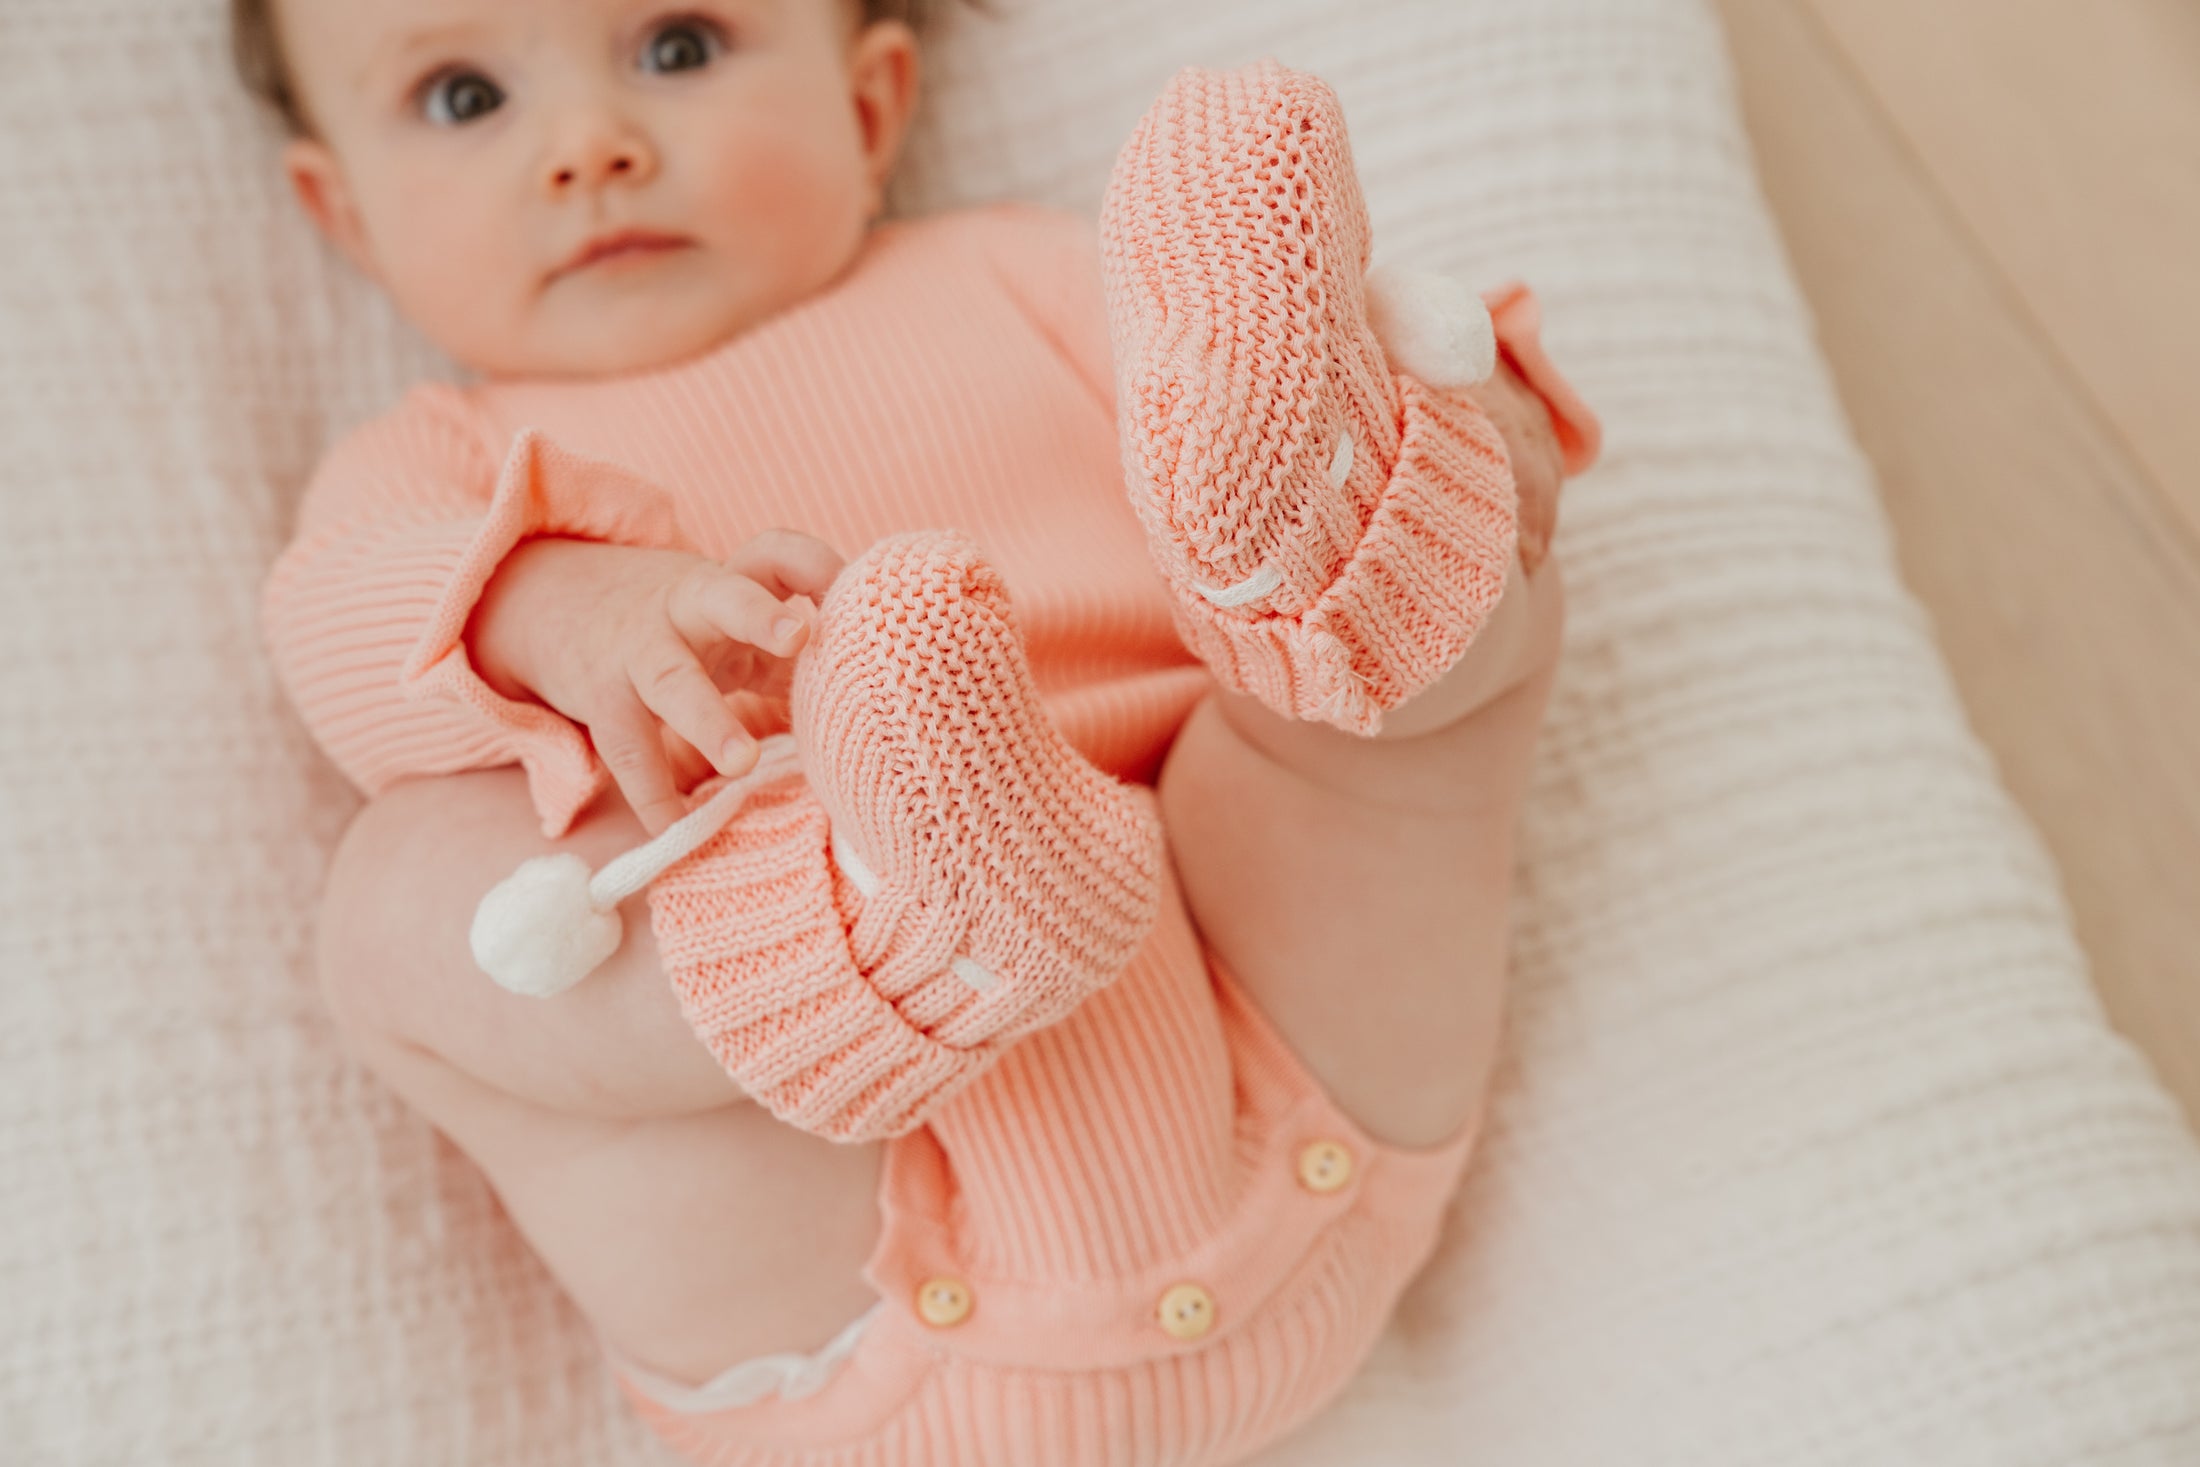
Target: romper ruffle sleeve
{"points": [[364, 613]]}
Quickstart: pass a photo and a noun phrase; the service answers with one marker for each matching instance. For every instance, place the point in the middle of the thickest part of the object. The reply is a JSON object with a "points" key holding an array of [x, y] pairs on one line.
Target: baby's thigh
{"points": [[396, 964], [692, 1227], [1374, 933], [690, 1242]]}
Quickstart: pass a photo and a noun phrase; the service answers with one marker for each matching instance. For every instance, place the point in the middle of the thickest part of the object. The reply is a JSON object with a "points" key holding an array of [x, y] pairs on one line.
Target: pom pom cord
{"points": [[625, 875]]}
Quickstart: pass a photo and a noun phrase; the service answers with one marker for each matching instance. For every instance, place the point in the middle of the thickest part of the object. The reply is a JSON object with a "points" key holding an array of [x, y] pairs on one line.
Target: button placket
{"points": [[1325, 1166], [944, 1302], [1186, 1312]]}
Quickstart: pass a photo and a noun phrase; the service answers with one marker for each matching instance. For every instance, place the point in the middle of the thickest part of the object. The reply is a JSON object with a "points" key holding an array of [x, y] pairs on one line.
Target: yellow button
{"points": [[1324, 1166], [943, 1302], [1187, 1311]]}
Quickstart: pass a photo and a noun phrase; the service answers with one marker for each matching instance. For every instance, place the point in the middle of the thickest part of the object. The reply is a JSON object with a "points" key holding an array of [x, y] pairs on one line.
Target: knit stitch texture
{"points": [[1334, 534], [996, 878]]}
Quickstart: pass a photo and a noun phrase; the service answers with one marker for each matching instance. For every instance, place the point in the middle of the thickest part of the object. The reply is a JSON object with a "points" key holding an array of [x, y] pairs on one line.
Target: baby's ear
{"points": [[883, 77], [318, 181]]}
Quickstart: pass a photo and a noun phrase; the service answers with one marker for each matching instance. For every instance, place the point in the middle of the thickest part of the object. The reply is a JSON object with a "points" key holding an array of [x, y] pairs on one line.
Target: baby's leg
{"points": [[985, 880], [692, 1227], [1360, 888], [1339, 535]]}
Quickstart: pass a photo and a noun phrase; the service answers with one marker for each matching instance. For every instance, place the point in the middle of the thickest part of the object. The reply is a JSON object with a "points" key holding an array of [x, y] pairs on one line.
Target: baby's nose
{"points": [[596, 153]]}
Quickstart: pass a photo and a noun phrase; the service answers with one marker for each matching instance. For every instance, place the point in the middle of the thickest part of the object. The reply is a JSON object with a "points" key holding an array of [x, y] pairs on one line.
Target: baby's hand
{"points": [[1537, 464], [641, 646]]}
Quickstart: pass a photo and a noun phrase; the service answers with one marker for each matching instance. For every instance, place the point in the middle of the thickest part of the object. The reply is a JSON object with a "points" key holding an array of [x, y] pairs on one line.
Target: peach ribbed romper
{"points": [[1146, 1236]]}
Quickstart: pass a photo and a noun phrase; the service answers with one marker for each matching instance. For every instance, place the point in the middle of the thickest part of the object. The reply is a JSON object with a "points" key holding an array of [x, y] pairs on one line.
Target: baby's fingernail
{"points": [[734, 754], [784, 630]]}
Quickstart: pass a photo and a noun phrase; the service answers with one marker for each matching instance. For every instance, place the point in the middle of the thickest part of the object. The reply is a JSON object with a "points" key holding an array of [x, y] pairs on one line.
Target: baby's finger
{"points": [[711, 602], [1538, 486], [674, 686], [628, 743], [788, 563], [736, 665], [689, 768], [1539, 474]]}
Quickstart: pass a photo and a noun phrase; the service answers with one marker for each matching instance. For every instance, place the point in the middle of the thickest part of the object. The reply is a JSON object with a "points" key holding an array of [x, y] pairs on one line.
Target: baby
{"points": [[939, 1111]]}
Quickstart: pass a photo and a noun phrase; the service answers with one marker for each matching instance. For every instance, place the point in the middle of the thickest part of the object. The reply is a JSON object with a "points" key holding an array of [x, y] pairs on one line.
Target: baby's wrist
{"points": [[526, 627], [497, 634], [551, 622]]}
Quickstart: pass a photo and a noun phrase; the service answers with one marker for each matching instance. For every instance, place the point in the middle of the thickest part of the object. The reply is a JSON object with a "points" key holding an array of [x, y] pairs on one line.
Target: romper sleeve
{"points": [[364, 613]]}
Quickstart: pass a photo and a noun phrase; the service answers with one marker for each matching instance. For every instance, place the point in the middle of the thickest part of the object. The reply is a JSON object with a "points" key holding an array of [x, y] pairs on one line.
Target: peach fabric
{"points": [[998, 879], [1154, 1138], [1334, 533], [958, 375]]}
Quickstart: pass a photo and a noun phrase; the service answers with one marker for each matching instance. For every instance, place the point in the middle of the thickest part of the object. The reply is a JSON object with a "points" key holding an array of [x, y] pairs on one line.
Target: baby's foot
{"points": [[1335, 532], [941, 875], [1003, 878]]}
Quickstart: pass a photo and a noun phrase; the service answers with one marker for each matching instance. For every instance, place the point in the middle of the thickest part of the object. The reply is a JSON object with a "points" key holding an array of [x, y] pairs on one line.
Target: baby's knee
{"points": [[354, 924], [380, 924]]}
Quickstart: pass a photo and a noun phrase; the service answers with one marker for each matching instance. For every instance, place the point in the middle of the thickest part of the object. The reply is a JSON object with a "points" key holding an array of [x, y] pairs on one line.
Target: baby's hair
{"points": [[258, 48]]}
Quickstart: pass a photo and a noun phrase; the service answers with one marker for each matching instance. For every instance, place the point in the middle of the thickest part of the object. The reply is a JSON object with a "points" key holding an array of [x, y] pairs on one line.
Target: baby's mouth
{"points": [[624, 245]]}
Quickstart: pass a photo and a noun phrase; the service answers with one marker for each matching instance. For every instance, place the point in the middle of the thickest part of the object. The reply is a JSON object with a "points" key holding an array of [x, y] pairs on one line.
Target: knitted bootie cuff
{"points": [[1401, 605], [755, 942]]}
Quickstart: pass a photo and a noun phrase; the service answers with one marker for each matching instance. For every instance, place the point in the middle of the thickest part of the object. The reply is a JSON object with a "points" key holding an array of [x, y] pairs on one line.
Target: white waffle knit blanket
{"points": [[1812, 1148]]}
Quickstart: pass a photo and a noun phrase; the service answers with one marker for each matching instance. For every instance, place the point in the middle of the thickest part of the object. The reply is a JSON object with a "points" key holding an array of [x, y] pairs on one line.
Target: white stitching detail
{"points": [[867, 883], [1267, 578], [982, 979], [1252, 588], [851, 865]]}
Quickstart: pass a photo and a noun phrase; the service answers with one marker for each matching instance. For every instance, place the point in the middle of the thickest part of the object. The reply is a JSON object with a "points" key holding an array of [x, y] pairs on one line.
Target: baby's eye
{"points": [[458, 97], [681, 45]]}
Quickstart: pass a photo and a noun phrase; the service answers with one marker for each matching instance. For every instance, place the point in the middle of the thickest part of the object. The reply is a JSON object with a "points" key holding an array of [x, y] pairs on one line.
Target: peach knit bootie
{"points": [[1334, 532], [941, 875]]}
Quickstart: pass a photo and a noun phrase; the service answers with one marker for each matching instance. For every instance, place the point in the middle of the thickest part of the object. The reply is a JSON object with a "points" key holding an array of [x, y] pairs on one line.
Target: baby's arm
{"points": [[366, 612]]}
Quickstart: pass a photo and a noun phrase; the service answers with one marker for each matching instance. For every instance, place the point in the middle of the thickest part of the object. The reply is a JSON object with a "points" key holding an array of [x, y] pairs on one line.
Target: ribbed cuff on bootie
{"points": [[1334, 532], [942, 875], [756, 946]]}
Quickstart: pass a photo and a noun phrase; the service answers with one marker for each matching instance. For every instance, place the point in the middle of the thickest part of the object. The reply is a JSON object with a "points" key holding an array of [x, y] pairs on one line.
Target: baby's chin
{"points": [[603, 349], [598, 332]]}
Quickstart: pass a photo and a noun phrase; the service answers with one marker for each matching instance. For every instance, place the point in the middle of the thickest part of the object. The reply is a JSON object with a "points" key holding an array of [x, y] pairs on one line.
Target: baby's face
{"points": [[584, 187]]}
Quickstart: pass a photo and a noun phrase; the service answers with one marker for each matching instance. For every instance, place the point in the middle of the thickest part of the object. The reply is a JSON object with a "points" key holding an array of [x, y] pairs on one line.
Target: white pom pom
{"points": [[1431, 326], [537, 933]]}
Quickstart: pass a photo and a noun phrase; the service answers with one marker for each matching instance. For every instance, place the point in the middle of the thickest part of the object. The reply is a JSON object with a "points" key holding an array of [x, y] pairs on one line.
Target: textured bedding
{"points": [[1812, 1146]]}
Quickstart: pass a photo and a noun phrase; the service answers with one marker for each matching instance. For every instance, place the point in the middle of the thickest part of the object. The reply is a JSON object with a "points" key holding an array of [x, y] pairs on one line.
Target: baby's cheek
{"points": [[453, 281], [796, 202]]}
